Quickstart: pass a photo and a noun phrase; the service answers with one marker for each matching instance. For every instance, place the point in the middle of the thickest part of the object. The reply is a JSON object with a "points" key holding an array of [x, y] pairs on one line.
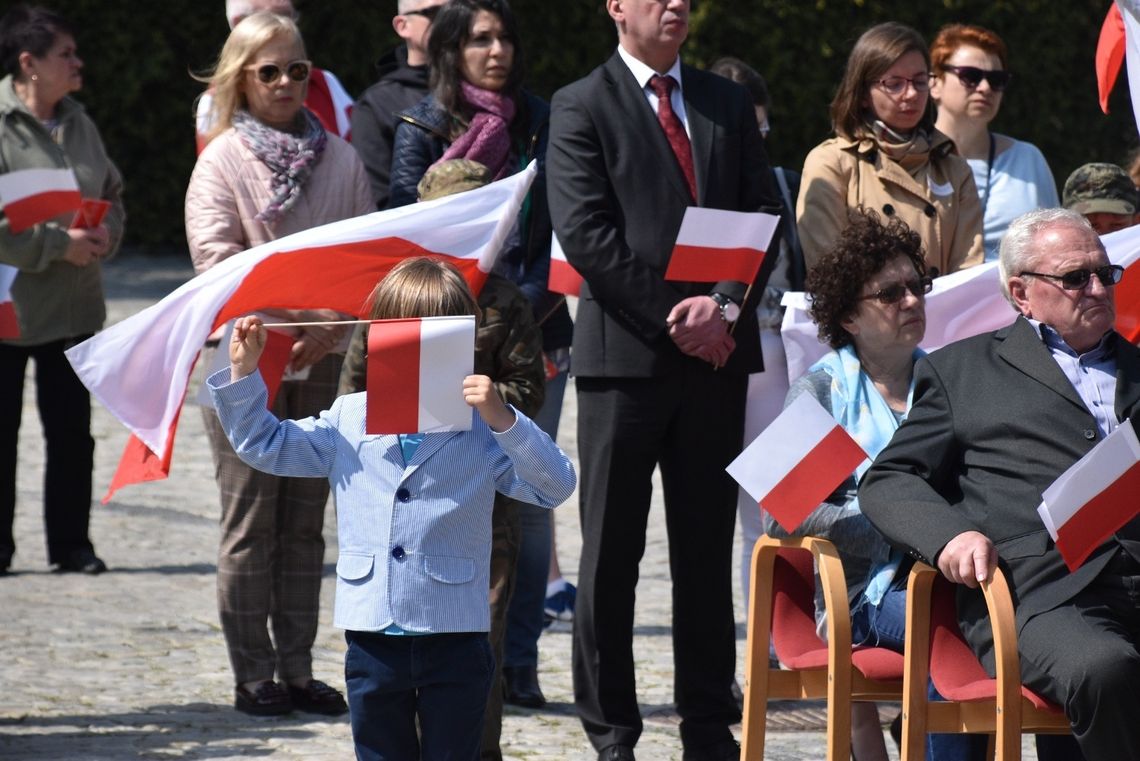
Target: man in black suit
{"points": [[995, 420], [628, 153]]}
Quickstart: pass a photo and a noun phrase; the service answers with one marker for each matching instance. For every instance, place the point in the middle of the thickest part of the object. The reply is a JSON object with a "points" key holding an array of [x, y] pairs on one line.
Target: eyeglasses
{"points": [[429, 13], [897, 85], [893, 294], [1074, 280], [972, 76], [268, 73]]}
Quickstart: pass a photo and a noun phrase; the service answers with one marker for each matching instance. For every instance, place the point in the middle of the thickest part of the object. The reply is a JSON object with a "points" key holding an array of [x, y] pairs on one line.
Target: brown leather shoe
{"points": [[266, 699], [318, 697]]}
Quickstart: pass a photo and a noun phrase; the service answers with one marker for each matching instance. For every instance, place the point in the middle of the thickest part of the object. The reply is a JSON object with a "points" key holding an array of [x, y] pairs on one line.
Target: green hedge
{"points": [[138, 56]]}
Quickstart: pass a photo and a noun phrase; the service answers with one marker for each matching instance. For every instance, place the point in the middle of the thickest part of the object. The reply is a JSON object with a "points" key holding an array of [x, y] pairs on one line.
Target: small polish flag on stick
{"points": [[1095, 497], [9, 325], [31, 196], [563, 277], [415, 377], [715, 244], [799, 459]]}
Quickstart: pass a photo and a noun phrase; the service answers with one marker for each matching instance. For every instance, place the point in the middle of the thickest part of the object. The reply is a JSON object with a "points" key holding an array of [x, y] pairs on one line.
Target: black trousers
{"points": [[65, 411], [691, 425]]}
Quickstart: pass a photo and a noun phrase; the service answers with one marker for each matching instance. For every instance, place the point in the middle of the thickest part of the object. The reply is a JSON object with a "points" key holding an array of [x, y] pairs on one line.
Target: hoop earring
{"points": [[34, 77]]}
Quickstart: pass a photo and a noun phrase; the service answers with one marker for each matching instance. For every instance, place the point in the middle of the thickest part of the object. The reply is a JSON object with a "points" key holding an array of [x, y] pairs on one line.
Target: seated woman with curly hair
{"points": [[868, 297]]}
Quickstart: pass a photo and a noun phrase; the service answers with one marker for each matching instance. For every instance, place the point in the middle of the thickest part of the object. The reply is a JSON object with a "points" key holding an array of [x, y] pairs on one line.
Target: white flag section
{"points": [[31, 196], [563, 277], [1130, 12], [796, 461], [139, 368], [1095, 497]]}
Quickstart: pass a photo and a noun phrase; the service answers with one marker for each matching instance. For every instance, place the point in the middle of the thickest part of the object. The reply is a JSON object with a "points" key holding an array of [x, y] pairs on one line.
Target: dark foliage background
{"points": [[138, 56]]}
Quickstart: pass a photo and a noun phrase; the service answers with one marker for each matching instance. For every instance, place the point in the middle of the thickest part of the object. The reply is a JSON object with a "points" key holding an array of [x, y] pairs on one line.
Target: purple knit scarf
{"points": [[290, 158], [487, 139]]}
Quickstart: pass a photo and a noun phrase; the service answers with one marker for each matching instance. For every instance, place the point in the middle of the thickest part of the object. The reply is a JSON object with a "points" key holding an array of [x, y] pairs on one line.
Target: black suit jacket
{"points": [[617, 197], [994, 423]]}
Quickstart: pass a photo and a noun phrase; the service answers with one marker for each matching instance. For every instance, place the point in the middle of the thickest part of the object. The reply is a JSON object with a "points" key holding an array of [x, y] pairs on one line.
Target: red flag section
{"points": [[1099, 518], [563, 277], [393, 381], [9, 323], [274, 359], [804, 487], [1110, 50]]}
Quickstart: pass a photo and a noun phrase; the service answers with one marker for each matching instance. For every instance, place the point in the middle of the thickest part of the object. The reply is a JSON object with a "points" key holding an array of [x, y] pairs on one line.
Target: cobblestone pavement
{"points": [[131, 664]]}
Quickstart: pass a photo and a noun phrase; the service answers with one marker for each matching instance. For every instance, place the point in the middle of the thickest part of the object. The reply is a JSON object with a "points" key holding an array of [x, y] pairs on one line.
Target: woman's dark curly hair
{"points": [[865, 246]]}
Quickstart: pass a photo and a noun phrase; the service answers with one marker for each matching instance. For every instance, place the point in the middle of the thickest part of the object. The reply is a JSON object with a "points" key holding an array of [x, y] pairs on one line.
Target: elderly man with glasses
{"points": [[995, 420]]}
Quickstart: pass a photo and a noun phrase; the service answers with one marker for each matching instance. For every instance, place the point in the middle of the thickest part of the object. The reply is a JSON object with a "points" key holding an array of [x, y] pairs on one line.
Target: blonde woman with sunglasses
{"points": [[887, 156], [270, 170], [970, 78]]}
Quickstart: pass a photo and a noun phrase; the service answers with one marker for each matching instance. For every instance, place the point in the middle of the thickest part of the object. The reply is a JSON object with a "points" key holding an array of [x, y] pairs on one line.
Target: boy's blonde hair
{"points": [[421, 287]]}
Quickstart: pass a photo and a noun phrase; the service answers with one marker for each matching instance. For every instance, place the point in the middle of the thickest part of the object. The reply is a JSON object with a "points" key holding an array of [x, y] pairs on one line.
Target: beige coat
{"points": [[230, 186], [944, 209]]}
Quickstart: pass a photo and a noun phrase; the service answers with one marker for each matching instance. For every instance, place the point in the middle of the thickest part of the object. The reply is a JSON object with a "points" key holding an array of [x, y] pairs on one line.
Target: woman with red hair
{"points": [[970, 76]]}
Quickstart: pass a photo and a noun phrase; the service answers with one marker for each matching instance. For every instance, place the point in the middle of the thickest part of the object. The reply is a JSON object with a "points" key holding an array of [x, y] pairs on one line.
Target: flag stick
{"points": [[313, 324]]}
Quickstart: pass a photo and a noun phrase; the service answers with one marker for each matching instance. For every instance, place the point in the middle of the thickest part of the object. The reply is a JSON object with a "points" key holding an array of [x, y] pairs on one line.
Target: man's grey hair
{"points": [[1017, 253]]}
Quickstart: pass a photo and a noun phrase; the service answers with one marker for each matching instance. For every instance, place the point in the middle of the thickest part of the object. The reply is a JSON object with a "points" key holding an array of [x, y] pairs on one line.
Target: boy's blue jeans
{"points": [[440, 679]]}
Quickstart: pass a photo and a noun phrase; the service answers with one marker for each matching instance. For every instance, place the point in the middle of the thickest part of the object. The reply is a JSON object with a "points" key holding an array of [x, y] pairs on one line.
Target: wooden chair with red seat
{"points": [[782, 610], [974, 702]]}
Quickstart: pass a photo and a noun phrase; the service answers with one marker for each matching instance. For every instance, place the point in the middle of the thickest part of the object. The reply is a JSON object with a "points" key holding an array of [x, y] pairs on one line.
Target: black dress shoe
{"points": [[82, 561], [318, 697], [520, 687], [266, 699], [616, 753], [726, 750]]}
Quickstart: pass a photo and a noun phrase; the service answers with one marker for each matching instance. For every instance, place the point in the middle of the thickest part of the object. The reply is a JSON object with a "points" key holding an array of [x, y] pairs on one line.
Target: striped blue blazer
{"points": [[415, 539]]}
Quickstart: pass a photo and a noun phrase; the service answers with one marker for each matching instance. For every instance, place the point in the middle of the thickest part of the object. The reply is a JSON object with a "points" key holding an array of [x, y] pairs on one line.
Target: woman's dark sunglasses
{"points": [[893, 294], [268, 73], [1074, 280], [972, 76]]}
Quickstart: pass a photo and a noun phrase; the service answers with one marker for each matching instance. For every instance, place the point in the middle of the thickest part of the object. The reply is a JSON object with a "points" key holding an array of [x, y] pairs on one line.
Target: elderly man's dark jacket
{"points": [[994, 423]]}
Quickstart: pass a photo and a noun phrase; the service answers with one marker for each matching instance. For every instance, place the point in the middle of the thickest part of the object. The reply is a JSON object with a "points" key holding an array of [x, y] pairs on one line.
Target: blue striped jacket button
{"points": [[403, 494], [399, 553]]}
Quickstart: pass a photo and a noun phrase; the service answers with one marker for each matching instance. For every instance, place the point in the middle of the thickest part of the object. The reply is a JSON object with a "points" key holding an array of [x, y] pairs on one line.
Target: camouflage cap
{"points": [[1096, 188], [452, 176]]}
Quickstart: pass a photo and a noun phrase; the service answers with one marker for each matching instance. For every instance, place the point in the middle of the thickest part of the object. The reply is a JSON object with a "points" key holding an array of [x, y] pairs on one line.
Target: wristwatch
{"points": [[729, 311]]}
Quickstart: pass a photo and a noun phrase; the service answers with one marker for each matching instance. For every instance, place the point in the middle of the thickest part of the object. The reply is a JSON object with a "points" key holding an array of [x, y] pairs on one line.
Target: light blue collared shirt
{"points": [[642, 72], [1093, 374]]}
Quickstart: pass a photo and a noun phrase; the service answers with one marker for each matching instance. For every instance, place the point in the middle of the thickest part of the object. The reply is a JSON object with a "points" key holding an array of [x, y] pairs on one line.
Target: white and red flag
{"points": [[31, 196], [563, 278], [715, 244], [9, 324], [139, 369], [1095, 497], [416, 369], [799, 459]]}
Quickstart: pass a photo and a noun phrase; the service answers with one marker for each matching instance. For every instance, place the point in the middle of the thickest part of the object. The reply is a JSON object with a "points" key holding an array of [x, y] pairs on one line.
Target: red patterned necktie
{"points": [[674, 129]]}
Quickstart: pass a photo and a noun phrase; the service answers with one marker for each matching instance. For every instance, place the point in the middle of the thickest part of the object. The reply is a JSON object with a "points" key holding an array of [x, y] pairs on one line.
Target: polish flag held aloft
{"points": [[563, 278], [139, 369], [715, 244], [9, 324], [1095, 497], [415, 378], [799, 459], [31, 196]]}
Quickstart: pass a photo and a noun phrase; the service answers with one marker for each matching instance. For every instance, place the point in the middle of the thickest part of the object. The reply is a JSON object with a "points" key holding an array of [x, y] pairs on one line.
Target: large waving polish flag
{"points": [[139, 369], [416, 369], [9, 324], [799, 459], [31, 196], [1095, 497], [967, 303], [716, 244]]}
